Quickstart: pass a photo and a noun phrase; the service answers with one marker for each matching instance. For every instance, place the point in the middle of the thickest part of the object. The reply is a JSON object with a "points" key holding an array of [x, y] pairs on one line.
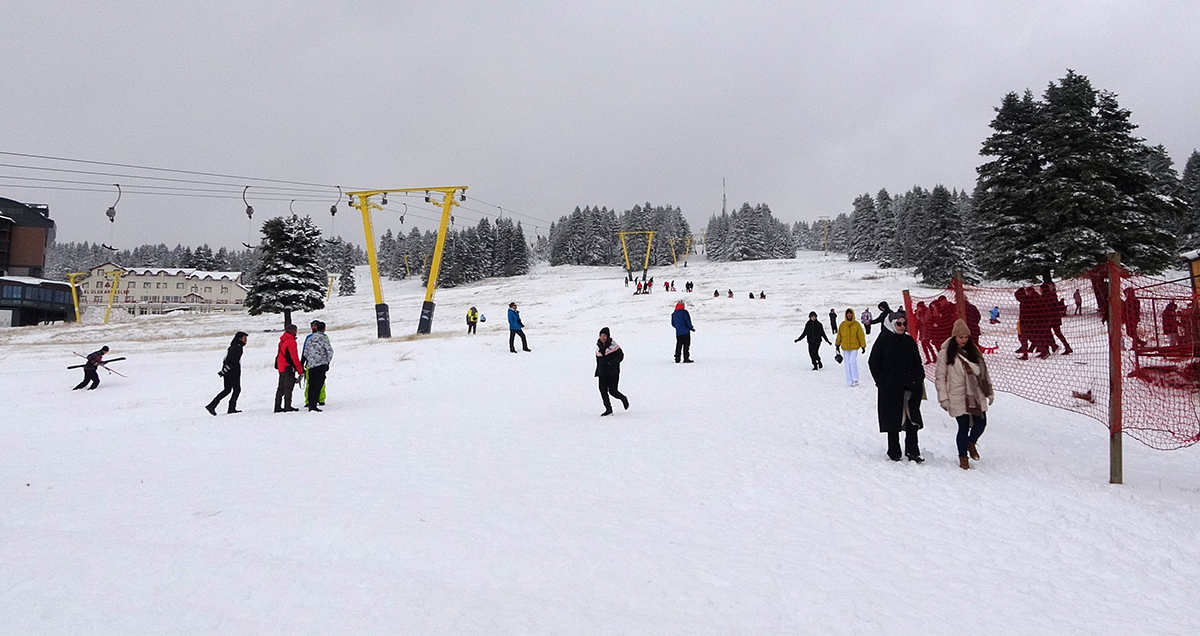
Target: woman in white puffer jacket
{"points": [[964, 389]]}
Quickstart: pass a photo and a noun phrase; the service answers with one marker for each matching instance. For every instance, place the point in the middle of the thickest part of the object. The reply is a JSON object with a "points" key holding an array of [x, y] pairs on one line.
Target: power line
{"points": [[108, 190], [305, 197], [191, 172], [125, 176]]}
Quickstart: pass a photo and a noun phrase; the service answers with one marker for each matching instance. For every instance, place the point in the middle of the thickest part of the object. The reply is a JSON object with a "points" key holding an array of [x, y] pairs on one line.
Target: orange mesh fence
{"points": [[1049, 344]]}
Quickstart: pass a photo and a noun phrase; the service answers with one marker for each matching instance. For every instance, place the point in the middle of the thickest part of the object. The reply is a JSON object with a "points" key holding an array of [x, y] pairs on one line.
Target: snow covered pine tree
{"points": [[290, 277]]}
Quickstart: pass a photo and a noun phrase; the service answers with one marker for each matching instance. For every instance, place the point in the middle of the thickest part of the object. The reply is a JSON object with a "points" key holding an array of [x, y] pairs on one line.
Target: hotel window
{"points": [[194, 288], [208, 290], [224, 290], [130, 285], [178, 285], [145, 285]]}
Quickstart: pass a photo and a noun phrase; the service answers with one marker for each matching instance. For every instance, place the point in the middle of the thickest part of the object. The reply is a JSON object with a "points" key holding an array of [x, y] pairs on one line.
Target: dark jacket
{"points": [[232, 365], [814, 331], [94, 359], [608, 361], [885, 310], [896, 367], [682, 321]]}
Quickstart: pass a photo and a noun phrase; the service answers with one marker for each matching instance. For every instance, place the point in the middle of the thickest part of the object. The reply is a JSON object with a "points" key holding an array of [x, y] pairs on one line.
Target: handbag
{"points": [[838, 357]]}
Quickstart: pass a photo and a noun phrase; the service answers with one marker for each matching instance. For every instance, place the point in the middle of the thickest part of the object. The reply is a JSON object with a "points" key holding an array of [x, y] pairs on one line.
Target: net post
{"points": [[912, 319], [960, 296], [1115, 376]]}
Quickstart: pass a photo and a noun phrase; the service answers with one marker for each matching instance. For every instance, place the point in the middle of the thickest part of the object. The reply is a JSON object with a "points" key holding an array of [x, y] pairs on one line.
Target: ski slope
{"points": [[453, 487]]}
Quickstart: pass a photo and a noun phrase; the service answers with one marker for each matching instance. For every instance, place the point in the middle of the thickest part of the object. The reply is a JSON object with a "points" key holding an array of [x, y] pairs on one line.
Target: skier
{"points": [[899, 377], [287, 363], [866, 320], [833, 323], [850, 339], [994, 315], [964, 389], [515, 328], [318, 353], [472, 320], [608, 370], [94, 360], [231, 371], [814, 331], [682, 321]]}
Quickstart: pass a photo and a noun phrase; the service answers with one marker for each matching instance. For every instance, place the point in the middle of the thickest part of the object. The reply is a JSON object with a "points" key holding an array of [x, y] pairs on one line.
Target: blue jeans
{"points": [[968, 434]]}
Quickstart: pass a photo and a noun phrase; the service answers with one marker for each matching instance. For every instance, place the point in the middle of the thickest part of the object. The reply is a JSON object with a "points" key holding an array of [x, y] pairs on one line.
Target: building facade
{"points": [[156, 290], [25, 297]]}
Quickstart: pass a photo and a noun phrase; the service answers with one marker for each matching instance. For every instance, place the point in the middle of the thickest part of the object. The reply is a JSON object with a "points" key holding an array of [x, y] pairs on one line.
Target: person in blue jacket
{"points": [[682, 321], [515, 328]]}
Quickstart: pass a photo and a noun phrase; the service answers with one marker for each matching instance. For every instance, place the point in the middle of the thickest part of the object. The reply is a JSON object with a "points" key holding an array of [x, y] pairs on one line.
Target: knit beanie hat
{"points": [[960, 328], [679, 305], [604, 332], [812, 314]]}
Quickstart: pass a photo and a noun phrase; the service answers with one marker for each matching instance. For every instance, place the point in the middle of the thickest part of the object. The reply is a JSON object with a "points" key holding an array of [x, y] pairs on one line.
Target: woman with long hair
{"points": [[964, 389]]}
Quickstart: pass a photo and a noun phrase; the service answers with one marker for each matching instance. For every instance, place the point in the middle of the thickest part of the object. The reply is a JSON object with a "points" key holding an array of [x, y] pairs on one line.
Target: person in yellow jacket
{"points": [[851, 339], [472, 319]]}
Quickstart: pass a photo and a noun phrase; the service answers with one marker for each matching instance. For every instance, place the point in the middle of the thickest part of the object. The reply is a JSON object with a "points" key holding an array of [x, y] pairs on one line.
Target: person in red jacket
{"points": [[287, 363]]}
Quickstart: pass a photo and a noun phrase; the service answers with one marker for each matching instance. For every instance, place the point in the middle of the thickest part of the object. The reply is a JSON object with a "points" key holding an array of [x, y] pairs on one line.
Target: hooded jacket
{"points": [[514, 320], [608, 359], [681, 320], [318, 350], [287, 355], [232, 365], [850, 334], [814, 332]]}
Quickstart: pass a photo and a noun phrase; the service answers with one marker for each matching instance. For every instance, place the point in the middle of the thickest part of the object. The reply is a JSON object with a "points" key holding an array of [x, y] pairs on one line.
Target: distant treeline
{"points": [[488, 249]]}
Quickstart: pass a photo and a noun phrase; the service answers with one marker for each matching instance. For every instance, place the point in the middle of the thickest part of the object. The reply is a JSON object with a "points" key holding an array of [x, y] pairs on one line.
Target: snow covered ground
{"points": [[453, 487]]}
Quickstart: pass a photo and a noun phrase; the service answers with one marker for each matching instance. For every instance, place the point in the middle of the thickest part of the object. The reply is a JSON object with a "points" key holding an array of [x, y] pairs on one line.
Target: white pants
{"points": [[850, 361]]}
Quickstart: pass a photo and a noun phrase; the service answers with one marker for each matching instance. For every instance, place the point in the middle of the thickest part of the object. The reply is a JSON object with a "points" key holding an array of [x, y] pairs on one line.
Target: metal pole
{"points": [[75, 293], [426, 323], [383, 321], [1116, 316], [112, 294]]}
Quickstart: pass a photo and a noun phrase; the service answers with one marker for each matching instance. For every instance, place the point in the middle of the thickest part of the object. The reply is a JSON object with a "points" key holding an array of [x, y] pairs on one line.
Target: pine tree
{"points": [[1190, 191], [290, 277], [347, 286], [864, 224], [888, 254], [944, 251]]}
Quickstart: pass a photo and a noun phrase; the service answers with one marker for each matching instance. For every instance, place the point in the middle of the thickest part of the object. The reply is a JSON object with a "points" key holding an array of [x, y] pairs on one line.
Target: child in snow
{"points": [[682, 321], [814, 331], [994, 315]]}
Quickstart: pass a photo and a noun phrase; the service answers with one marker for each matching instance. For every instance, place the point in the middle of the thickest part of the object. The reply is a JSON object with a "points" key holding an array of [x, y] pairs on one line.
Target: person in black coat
{"points": [[231, 371], [608, 369], [815, 333], [885, 310], [899, 375]]}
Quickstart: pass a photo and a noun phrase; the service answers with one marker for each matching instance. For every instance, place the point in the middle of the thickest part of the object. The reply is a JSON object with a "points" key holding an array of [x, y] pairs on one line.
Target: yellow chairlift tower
{"points": [[365, 205], [625, 249]]}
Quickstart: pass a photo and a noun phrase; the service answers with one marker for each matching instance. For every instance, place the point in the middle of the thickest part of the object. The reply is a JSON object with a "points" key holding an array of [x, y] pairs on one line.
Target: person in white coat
{"points": [[964, 389]]}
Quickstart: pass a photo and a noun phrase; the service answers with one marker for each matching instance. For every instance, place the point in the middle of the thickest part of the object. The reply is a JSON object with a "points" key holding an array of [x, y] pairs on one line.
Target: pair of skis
{"points": [[103, 363]]}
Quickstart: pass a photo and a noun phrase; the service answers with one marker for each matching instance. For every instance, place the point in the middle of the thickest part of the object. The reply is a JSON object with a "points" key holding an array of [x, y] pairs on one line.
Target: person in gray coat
{"points": [[318, 353]]}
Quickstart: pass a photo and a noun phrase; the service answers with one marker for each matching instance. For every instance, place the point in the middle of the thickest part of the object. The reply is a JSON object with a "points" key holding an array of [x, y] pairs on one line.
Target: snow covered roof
{"points": [[29, 280], [180, 271], [1190, 256]]}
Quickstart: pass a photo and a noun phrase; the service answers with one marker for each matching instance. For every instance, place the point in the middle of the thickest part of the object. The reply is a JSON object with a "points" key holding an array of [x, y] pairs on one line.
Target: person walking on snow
{"points": [[833, 323], [318, 353], [850, 339], [231, 371], [866, 320], [885, 310], [814, 331], [964, 389], [287, 363], [608, 370], [90, 367], [472, 320], [682, 321], [515, 328], [899, 374]]}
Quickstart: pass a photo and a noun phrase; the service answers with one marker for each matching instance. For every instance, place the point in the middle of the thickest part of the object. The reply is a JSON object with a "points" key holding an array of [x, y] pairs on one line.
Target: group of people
{"points": [[963, 385], [311, 366], [645, 287], [1040, 314], [762, 295]]}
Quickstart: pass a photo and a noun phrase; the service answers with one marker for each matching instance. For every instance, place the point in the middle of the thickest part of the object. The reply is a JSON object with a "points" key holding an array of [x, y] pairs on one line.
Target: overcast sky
{"points": [[540, 107]]}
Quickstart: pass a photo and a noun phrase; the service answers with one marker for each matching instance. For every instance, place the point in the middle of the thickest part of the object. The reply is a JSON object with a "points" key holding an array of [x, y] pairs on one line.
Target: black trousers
{"points": [[814, 352], [911, 446], [316, 381], [233, 385], [683, 343], [512, 334], [608, 386], [283, 392], [970, 427], [89, 375], [471, 327]]}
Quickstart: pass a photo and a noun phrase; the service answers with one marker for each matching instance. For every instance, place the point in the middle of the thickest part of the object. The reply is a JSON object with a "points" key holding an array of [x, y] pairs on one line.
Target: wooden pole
{"points": [[912, 319], [960, 296], [1115, 377]]}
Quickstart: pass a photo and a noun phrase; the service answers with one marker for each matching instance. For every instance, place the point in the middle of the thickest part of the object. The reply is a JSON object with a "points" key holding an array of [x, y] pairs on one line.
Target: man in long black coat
{"points": [[895, 365]]}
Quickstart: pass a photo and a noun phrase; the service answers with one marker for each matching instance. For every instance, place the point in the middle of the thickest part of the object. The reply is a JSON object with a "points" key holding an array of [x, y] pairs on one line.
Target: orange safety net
{"points": [[1048, 343]]}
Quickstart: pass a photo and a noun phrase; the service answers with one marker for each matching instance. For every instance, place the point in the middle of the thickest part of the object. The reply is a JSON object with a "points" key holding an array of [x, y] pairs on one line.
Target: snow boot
{"points": [[688, 361], [232, 411], [606, 412], [211, 408], [964, 463], [915, 458], [972, 452], [625, 403]]}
